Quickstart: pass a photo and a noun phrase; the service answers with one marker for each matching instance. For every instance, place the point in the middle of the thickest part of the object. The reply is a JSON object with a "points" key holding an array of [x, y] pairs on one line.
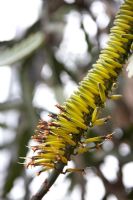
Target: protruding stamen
{"points": [[115, 97], [52, 115], [82, 170], [102, 121], [61, 108], [53, 124], [101, 92]]}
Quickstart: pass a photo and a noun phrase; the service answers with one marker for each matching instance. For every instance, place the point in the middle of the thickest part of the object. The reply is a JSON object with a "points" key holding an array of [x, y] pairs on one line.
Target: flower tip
{"points": [[38, 173], [34, 148], [61, 108]]}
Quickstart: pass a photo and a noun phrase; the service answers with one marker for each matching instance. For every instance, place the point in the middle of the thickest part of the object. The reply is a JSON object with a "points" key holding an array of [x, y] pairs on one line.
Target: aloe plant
{"points": [[64, 135]]}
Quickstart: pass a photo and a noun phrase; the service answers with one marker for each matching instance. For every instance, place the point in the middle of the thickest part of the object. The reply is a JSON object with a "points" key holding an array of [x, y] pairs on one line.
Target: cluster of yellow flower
{"points": [[63, 136]]}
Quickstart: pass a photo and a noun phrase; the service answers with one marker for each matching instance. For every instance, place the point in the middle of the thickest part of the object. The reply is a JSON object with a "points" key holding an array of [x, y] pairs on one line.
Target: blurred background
{"points": [[46, 48]]}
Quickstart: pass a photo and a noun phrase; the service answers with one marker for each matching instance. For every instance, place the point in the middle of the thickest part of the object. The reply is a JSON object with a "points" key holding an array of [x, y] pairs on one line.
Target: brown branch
{"points": [[10, 105], [116, 188], [47, 184]]}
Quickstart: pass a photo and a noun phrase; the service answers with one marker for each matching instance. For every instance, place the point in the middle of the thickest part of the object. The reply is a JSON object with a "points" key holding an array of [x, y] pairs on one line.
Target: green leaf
{"points": [[22, 49]]}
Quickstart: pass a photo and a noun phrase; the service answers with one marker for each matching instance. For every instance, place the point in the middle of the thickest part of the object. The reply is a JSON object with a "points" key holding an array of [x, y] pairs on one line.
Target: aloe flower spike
{"points": [[65, 132]]}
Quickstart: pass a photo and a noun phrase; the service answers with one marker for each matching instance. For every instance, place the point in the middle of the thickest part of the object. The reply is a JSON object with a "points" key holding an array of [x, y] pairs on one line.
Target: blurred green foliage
{"points": [[39, 47]]}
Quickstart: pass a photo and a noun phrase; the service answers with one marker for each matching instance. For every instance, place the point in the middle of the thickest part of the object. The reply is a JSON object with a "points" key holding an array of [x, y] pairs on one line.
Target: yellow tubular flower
{"points": [[64, 134]]}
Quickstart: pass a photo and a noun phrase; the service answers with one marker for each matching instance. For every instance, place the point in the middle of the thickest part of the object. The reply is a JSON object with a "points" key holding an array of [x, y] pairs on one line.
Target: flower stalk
{"points": [[63, 136]]}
